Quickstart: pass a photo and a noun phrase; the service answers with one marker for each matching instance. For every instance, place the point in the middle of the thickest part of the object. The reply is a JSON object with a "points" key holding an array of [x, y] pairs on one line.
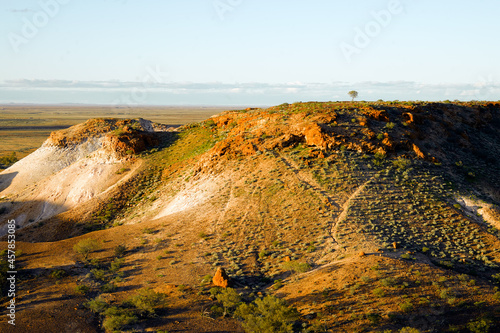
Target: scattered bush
{"points": [[86, 246], [479, 326], [148, 231], [82, 289], [58, 274], [97, 305], [407, 306], [7, 161], [379, 292], [229, 299], [108, 287], [409, 330], [206, 279], [122, 170], [116, 318], [116, 264], [147, 301], [267, 315], [297, 267], [120, 250]]}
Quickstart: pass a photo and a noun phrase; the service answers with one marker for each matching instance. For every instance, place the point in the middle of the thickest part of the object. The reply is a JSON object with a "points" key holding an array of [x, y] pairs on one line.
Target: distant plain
{"points": [[23, 129]]}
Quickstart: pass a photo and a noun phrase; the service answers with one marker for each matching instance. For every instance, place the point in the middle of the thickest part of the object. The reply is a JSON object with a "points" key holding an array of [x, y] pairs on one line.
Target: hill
{"points": [[362, 216]]}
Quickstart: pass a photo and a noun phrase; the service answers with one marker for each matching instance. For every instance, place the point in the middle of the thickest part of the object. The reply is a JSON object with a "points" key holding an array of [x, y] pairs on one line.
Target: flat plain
{"points": [[24, 128]]}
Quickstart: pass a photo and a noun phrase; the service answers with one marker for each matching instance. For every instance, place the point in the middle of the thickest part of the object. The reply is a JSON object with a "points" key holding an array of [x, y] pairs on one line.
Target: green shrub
{"points": [[206, 279], [379, 292], [7, 161], [108, 287], [216, 311], [82, 289], [409, 330], [97, 305], [116, 318], [388, 282], [147, 301], [263, 254], [297, 267], [210, 123], [229, 299], [57, 274], [148, 231], [122, 170], [406, 306], [86, 246], [479, 326], [401, 163], [116, 264], [99, 274], [390, 125], [120, 250], [267, 315]]}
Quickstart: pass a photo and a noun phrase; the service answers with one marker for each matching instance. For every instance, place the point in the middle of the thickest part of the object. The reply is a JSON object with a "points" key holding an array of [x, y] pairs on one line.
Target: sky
{"points": [[247, 52]]}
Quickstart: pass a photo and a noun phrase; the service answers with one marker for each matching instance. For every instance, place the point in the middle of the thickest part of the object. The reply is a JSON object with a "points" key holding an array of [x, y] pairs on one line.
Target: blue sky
{"points": [[247, 52]]}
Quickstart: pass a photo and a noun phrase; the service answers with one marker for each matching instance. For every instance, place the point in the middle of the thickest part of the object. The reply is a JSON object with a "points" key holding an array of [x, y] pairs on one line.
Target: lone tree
{"points": [[86, 246], [353, 94]]}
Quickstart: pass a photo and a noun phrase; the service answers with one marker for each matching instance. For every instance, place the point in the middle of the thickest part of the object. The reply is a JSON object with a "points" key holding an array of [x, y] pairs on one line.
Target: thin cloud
{"points": [[264, 93], [24, 10]]}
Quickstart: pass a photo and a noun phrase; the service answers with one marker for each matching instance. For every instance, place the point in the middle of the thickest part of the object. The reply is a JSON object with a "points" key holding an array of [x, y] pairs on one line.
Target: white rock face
{"points": [[53, 180]]}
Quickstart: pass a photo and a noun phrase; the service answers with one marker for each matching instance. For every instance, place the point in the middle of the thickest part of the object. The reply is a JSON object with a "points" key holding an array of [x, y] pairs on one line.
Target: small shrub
{"points": [[263, 254], [122, 170], [116, 318], [379, 292], [374, 318], [216, 311], [99, 274], [210, 123], [229, 299], [147, 301], [267, 315], [409, 330], [86, 246], [388, 282], [479, 326], [58, 274], [108, 287], [82, 289], [390, 125], [407, 306], [97, 305], [120, 250], [148, 231], [206, 279], [297, 267], [116, 264]]}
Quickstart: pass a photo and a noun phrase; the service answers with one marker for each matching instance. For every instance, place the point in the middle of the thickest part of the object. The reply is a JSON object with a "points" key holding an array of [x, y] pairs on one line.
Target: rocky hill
{"points": [[361, 216]]}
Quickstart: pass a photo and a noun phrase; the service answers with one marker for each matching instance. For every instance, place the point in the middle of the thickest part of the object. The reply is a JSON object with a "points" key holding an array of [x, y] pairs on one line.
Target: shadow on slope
{"points": [[6, 179]]}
